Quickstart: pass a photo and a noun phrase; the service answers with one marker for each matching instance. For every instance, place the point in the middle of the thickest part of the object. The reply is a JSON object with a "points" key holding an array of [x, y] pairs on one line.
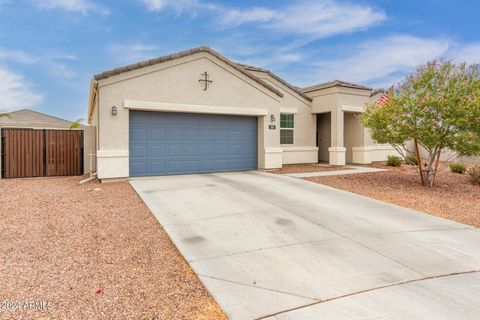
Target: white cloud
{"points": [[17, 56], [288, 57], [178, 5], [156, 5], [315, 19], [383, 61], [469, 53], [236, 17], [15, 92], [53, 63], [82, 6], [318, 19], [132, 53]]}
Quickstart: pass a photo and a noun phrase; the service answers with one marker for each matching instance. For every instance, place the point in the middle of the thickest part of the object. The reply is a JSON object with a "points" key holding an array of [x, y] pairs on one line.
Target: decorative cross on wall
{"points": [[205, 78]]}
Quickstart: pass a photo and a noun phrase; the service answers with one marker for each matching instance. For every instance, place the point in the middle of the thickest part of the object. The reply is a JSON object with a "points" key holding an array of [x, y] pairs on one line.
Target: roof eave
{"points": [[142, 64]]}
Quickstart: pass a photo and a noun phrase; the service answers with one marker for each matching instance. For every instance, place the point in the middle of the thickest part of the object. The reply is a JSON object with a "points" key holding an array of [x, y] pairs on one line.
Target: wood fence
{"points": [[41, 153]]}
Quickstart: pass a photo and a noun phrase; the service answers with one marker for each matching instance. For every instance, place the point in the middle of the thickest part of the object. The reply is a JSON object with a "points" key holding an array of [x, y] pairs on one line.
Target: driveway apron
{"points": [[274, 247]]}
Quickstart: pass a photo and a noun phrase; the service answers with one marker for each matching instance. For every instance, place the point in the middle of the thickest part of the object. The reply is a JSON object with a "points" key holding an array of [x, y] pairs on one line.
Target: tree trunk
{"points": [[419, 163], [430, 171], [436, 165]]}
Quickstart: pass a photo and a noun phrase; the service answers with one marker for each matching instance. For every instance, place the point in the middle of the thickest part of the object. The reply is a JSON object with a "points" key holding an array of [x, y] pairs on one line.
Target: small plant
{"points": [[77, 123], [458, 168], [394, 161], [474, 173], [412, 160]]}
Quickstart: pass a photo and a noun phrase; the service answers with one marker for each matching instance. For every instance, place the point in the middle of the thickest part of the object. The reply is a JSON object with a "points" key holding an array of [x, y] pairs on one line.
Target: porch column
{"points": [[337, 150]]}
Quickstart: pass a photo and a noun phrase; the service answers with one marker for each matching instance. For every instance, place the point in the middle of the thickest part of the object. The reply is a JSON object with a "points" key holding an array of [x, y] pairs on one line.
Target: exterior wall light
{"points": [[272, 118], [114, 110]]}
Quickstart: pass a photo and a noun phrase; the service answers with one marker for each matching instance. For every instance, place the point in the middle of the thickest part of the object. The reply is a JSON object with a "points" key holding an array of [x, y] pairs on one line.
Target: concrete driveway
{"points": [[276, 247]]}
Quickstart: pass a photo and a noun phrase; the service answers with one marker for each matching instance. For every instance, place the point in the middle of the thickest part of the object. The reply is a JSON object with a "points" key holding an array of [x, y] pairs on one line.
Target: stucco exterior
{"points": [[171, 85], [350, 142]]}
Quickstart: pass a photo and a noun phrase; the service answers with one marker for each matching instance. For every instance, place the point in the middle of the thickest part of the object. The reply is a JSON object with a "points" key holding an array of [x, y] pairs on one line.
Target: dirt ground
{"points": [[453, 196], [90, 252], [301, 168]]}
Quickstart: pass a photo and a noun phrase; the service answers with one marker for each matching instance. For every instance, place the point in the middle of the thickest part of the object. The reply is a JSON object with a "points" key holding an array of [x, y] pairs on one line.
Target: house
{"points": [[34, 144], [26, 118], [197, 111]]}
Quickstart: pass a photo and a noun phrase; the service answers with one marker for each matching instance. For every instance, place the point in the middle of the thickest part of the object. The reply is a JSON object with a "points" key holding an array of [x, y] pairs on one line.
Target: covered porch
{"points": [[341, 137]]}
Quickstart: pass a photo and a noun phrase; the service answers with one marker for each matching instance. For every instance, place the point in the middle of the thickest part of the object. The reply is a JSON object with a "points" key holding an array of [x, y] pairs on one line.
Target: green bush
{"points": [[475, 175], [394, 161], [458, 168], [412, 160]]}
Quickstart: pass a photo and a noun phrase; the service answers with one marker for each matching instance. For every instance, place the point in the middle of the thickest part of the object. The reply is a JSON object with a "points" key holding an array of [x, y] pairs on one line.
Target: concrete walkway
{"points": [[273, 247], [350, 170]]}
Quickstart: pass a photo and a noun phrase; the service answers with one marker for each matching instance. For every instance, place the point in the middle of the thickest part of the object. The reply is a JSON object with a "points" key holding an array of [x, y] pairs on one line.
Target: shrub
{"points": [[394, 161], [412, 160], [458, 168], [474, 173]]}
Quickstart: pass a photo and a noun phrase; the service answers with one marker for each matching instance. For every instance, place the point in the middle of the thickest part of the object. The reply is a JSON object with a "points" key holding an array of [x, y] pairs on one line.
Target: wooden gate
{"points": [[41, 153]]}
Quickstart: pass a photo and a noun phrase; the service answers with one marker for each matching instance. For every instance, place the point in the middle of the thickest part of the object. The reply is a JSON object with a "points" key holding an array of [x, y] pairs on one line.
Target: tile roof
{"points": [[334, 83], [29, 118], [273, 75], [243, 68], [181, 54]]}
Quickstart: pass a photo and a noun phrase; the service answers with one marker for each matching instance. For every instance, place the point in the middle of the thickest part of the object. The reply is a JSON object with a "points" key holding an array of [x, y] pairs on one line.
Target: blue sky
{"points": [[49, 49]]}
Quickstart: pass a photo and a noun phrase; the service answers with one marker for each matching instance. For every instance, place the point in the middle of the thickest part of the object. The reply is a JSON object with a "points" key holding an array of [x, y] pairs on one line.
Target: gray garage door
{"points": [[175, 143]]}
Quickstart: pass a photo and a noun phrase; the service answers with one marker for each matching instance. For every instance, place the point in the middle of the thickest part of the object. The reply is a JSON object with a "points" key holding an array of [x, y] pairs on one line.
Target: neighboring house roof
{"points": [[32, 119], [377, 91], [273, 75], [181, 54], [335, 83]]}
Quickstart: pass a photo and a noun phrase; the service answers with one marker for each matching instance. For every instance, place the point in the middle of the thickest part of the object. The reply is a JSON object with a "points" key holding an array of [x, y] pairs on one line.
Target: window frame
{"points": [[287, 125]]}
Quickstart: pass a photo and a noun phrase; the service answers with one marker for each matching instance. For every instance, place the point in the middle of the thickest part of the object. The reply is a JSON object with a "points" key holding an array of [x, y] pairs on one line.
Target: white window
{"points": [[286, 128]]}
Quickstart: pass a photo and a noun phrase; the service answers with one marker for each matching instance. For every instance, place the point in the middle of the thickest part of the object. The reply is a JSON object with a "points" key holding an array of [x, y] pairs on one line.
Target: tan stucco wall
{"points": [[350, 141], [354, 134], [303, 149], [176, 82], [446, 155], [89, 148]]}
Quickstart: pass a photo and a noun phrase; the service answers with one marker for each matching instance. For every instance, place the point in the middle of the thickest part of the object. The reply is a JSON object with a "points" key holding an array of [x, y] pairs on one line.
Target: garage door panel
{"points": [[174, 166], [176, 143], [221, 164], [206, 135], [173, 134], [139, 119], [206, 165], [190, 134], [139, 151], [139, 134], [156, 167], [221, 150], [174, 150], [157, 151], [236, 150], [190, 150], [156, 134], [221, 134], [139, 167], [190, 166], [205, 150]]}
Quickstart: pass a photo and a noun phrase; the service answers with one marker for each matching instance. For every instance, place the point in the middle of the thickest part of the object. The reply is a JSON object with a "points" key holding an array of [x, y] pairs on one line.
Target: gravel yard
{"points": [[91, 252], [301, 168], [453, 197]]}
